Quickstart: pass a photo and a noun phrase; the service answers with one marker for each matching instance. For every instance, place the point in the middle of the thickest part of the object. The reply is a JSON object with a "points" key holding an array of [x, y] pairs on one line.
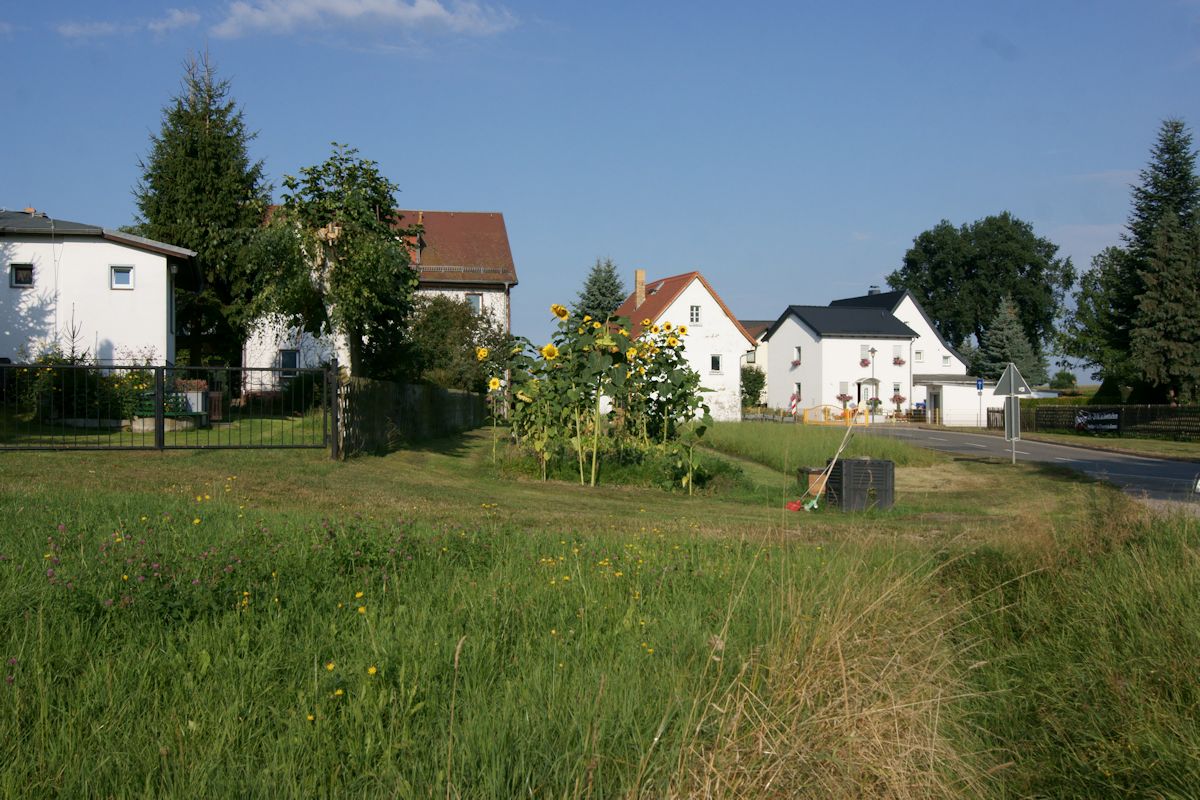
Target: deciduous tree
{"points": [[959, 275], [354, 279]]}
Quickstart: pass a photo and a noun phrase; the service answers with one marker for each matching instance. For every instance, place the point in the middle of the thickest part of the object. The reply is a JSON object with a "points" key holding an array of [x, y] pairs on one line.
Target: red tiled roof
{"points": [[661, 293], [756, 327], [462, 246]]}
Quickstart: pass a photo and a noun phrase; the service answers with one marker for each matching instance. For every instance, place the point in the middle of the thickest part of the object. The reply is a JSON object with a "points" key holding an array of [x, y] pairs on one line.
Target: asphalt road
{"points": [[1155, 478]]}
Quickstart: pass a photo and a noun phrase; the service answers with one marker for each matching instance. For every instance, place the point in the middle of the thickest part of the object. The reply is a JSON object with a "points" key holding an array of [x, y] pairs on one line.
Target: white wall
{"points": [[716, 334], [960, 404], [72, 291], [928, 353], [492, 301], [782, 376]]}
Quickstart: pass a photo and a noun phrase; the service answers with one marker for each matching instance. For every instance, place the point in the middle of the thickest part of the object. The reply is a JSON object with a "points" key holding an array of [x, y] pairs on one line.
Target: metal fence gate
{"points": [[63, 406]]}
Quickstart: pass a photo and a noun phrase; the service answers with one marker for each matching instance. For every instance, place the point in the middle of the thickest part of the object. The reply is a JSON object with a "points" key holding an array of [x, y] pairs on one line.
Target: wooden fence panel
{"points": [[379, 416]]}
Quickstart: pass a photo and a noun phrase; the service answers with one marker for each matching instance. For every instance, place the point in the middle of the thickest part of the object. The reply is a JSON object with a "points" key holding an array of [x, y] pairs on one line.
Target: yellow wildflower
{"points": [[559, 311], [329, 666], [493, 384], [338, 692], [587, 317], [357, 595], [481, 353], [371, 670], [362, 609], [631, 353], [196, 521], [549, 352]]}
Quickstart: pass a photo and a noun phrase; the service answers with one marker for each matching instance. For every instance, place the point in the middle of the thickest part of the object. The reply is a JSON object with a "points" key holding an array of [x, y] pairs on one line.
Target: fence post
{"points": [[333, 378], [160, 433]]}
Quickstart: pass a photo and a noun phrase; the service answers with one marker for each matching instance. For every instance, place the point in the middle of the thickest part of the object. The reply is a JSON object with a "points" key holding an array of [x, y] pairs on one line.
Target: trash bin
{"points": [[861, 484]]}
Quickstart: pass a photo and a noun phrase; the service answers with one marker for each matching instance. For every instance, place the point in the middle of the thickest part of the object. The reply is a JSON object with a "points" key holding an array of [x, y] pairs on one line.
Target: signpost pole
{"points": [[1013, 386]]}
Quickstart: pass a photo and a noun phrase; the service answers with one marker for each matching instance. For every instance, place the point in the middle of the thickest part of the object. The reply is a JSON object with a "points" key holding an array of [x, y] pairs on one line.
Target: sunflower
{"points": [[493, 384], [559, 311], [654, 329], [587, 317], [549, 352], [631, 353], [682, 330], [673, 342], [666, 326], [596, 325], [481, 353], [647, 322]]}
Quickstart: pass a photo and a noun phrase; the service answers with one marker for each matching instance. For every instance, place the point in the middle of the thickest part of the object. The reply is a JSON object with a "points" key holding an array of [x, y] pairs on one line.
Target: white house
{"points": [[757, 357], [880, 344], [107, 293], [461, 254], [715, 342]]}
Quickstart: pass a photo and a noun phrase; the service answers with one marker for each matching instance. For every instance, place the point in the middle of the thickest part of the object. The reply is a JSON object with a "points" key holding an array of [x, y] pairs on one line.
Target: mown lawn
{"points": [[423, 624]]}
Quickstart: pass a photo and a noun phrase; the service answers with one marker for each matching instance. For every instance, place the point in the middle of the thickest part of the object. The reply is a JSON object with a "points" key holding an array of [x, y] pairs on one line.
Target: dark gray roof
{"points": [[23, 223], [926, 378], [847, 321], [888, 300]]}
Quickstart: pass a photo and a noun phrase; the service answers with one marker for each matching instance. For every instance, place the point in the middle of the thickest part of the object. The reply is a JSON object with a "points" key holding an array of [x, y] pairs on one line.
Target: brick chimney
{"points": [[872, 289], [639, 287]]}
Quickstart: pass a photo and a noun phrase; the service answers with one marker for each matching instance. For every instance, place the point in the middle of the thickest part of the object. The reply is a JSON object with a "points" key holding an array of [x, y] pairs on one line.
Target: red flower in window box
{"points": [[898, 361], [866, 362], [796, 363]]}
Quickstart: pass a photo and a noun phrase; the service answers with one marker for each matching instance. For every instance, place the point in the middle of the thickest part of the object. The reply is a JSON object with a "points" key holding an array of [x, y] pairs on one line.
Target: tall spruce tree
{"points": [[200, 190], [1166, 335], [602, 292], [1101, 331], [1005, 341]]}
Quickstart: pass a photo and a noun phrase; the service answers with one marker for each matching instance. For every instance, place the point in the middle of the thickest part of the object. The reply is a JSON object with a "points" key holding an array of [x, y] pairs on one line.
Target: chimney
{"points": [[639, 287], [872, 289], [30, 210]]}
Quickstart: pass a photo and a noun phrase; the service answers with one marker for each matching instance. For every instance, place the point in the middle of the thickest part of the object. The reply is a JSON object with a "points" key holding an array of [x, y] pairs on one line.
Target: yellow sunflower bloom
{"points": [[654, 329], [631, 353], [493, 384], [666, 326], [549, 352], [596, 325], [481, 353], [673, 342], [559, 311], [647, 322], [682, 330], [587, 317]]}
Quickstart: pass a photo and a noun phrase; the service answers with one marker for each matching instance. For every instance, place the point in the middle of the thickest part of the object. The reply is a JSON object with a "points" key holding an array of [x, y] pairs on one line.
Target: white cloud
{"points": [[175, 18], [460, 16], [89, 30]]}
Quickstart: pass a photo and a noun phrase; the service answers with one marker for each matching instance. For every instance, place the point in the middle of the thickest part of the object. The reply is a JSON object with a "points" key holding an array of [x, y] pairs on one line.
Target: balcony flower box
{"points": [[865, 362], [795, 363], [898, 361]]}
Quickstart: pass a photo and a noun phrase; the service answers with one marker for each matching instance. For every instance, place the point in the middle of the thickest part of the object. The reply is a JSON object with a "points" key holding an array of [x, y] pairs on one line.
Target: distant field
{"points": [[272, 623]]}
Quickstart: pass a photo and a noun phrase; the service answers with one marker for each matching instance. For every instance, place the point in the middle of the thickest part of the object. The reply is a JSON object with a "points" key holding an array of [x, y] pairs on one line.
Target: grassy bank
{"points": [[191, 624], [786, 446]]}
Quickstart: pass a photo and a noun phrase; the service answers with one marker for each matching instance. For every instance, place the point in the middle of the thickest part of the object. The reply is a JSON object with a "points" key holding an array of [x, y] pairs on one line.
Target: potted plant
{"points": [[864, 362], [844, 398], [873, 403], [897, 398], [898, 361]]}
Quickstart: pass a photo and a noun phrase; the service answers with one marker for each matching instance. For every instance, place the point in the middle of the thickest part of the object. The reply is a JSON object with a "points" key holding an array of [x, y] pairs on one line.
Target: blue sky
{"points": [[790, 151]]}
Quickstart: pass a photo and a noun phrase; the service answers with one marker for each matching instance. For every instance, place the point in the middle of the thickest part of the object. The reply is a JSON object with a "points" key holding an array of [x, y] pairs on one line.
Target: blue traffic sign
{"points": [[979, 384]]}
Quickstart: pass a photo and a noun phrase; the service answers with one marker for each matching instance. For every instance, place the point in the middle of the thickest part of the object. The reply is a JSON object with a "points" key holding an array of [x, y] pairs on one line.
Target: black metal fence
{"points": [[50, 406], [1161, 422]]}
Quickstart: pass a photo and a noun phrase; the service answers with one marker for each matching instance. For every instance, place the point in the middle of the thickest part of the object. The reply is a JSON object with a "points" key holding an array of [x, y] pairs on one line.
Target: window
{"points": [[844, 387], [864, 351], [289, 360], [751, 355], [476, 301], [895, 388], [121, 277], [694, 315], [715, 363], [945, 361], [895, 351], [919, 356], [799, 397], [796, 357], [20, 276]]}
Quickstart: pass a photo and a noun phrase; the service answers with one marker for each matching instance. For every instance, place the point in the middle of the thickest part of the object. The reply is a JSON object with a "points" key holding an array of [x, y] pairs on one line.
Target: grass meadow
{"points": [[425, 625]]}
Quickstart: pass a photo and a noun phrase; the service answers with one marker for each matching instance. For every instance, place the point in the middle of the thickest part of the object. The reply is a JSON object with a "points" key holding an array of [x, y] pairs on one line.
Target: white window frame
{"points": [[12, 275], [864, 352], [919, 356], [796, 387], [715, 363], [694, 315], [476, 301], [113, 269], [945, 361], [751, 355], [285, 370], [798, 355], [895, 388], [895, 351]]}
